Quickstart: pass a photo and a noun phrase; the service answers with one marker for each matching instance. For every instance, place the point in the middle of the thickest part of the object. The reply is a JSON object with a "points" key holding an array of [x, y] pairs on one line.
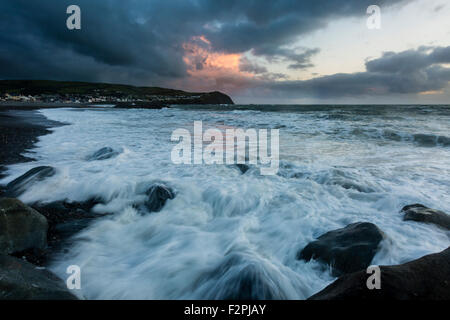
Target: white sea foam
{"points": [[224, 228]]}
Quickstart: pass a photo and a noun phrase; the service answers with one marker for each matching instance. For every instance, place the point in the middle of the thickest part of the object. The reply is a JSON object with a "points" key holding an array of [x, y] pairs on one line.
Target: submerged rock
{"points": [[21, 227], [349, 180], [103, 154], [18, 186], [67, 218], [20, 280], [157, 197], [346, 250], [243, 167], [252, 283], [239, 277], [427, 278], [420, 213]]}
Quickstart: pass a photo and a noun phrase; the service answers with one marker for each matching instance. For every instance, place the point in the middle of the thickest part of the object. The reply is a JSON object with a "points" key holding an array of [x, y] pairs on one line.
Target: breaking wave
{"points": [[229, 235]]}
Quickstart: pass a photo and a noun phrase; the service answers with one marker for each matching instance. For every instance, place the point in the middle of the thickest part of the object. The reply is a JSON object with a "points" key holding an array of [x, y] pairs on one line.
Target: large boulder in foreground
{"points": [[18, 186], [420, 213], [64, 219], [346, 250], [21, 227], [427, 278], [20, 280]]}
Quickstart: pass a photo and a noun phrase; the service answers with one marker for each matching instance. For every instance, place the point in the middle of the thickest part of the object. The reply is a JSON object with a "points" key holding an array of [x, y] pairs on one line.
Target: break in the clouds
{"points": [[412, 71], [243, 47]]}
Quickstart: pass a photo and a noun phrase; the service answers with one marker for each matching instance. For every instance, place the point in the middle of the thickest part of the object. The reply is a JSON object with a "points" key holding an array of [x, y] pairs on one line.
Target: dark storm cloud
{"points": [[246, 65], [141, 42], [258, 24], [299, 58], [111, 45], [302, 60], [409, 61], [407, 72]]}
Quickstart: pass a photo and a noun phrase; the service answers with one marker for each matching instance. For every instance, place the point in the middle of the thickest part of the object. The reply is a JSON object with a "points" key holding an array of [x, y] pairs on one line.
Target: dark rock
{"points": [[20, 280], [157, 197], [243, 167], [61, 211], [411, 206], [18, 186], [103, 154], [21, 227], [67, 218], [35, 256], [427, 278], [420, 213], [67, 229], [346, 250]]}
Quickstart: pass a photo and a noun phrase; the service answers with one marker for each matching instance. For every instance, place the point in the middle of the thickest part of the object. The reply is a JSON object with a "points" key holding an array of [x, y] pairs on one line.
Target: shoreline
{"points": [[5, 106], [21, 273], [20, 129]]}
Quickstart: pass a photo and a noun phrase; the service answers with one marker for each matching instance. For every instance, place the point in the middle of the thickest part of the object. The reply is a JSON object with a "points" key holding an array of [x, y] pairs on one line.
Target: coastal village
{"points": [[96, 98], [85, 93]]}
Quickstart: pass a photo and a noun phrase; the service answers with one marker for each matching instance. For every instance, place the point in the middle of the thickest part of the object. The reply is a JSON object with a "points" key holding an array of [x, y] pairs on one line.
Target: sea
{"points": [[226, 231]]}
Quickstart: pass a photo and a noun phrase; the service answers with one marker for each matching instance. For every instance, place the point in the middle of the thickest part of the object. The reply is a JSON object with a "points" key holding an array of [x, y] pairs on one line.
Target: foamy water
{"points": [[338, 166]]}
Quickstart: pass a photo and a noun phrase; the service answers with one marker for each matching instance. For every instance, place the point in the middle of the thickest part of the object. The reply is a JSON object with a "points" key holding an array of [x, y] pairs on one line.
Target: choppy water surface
{"points": [[338, 165]]}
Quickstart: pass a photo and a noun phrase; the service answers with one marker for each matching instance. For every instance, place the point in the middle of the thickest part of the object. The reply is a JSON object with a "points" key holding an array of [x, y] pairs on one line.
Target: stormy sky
{"points": [[285, 51]]}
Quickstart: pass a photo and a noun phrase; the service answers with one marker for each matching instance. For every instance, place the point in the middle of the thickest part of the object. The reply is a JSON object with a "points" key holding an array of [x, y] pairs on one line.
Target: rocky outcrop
{"points": [[420, 213], [18, 186], [346, 250], [215, 97], [20, 280], [157, 196], [183, 99], [103, 154], [427, 278], [21, 227]]}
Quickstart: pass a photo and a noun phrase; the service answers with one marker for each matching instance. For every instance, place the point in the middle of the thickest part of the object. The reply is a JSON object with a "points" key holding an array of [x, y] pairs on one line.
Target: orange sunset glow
{"points": [[212, 69]]}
